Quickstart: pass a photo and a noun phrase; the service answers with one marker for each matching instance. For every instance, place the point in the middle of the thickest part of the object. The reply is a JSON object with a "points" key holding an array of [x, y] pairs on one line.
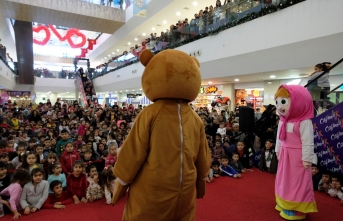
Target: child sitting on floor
{"points": [[107, 182], [35, 192], [19, 179], [58, 199], [77, 183], [226, 170], [316, 177], [335, 189], [94, 190], [324, 183], [214, 171], [236, 164]]}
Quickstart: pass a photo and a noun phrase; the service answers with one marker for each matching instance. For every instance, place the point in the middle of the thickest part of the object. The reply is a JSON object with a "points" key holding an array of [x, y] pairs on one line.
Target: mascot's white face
{"points": [[282, 105]]}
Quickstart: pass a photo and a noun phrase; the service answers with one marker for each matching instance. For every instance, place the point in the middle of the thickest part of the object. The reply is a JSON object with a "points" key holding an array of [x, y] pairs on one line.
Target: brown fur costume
{"points": [[165, 158]]}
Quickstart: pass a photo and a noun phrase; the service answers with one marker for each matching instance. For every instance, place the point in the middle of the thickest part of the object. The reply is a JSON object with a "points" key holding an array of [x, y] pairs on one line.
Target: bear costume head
{"points": [[170, 74]]}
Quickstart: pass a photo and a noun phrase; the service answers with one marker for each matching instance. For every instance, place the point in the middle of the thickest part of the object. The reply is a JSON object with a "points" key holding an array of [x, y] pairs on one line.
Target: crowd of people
{"points": [[184, 29], [66, 152]]}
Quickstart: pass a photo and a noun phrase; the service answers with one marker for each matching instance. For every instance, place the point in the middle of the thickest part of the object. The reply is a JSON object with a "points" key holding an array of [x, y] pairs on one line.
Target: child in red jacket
{"points": [[77, 183], [82, 128], [68, 158], [58, 199]]}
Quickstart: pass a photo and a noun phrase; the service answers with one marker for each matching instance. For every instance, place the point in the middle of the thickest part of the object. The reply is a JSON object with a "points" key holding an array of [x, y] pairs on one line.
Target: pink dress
{"points": [[295, 146], [293, 184]]}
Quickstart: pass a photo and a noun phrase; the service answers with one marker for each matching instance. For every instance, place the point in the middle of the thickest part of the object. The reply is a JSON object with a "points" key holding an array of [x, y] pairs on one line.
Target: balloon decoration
{"points": [[84, 51], [47, 35], [68, 37]]}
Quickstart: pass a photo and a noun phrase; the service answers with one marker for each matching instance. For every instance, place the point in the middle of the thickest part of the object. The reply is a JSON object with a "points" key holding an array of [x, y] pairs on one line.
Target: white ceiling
{"points": [[160, 21]]}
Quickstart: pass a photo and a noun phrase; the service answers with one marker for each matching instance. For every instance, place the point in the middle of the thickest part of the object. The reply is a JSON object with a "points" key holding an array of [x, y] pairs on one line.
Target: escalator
{"points": [[88, 94]]}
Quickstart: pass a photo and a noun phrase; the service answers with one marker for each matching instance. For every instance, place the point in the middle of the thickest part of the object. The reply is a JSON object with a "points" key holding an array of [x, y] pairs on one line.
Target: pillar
{"points": [[53, 97], [229, 91], [270, 88]]}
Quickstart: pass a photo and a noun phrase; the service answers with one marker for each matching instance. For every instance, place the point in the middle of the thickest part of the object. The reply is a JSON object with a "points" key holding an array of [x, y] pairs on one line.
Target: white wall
{"points": [[54, 85], [296, 37], [7, 78]]}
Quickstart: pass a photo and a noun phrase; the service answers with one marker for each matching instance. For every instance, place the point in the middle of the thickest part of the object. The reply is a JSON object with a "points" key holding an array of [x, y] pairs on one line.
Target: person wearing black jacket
{"points": [[268, 160]]}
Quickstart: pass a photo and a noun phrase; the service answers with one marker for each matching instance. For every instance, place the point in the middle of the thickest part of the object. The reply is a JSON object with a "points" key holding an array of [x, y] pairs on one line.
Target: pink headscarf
{"points": [[301, 107]]}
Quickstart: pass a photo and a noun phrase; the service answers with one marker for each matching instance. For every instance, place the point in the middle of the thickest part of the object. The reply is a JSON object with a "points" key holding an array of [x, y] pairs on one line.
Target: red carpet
{"points": [[249, 198]]}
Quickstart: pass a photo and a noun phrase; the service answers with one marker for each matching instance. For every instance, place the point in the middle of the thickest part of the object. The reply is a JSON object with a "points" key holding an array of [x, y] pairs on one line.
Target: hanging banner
{"points": [[19, 93], [3, 97], [328, 139], [139, 8]]}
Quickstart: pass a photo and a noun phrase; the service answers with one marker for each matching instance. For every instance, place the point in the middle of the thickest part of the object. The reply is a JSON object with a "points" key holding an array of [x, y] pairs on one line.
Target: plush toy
{"points": [[295, 150], [165, 159]]}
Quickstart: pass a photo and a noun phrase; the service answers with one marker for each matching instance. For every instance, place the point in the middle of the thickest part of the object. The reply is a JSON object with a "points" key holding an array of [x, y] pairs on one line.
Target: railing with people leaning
{"points": [[205, 24]]}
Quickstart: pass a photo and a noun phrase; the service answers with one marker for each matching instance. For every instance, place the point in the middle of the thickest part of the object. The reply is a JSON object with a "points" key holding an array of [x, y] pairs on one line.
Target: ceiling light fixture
{"points": [[127, 90], [236, 79], [153, 29], [272, 76], [129, 43], [143, 34], [178, 13], [109, 55], [117, 49], [136, 39], [210, 82], [195, 3], [113, 53], [164, 22], [120, 91], [140, 89]]}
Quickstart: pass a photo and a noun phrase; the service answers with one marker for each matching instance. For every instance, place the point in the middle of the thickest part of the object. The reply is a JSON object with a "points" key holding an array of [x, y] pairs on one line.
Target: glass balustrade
{"points": [[325, 85], [204, 23]]}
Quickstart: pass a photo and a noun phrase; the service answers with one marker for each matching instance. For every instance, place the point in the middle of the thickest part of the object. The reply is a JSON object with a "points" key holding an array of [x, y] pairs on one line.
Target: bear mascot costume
{"points": [[295, 150], [165, 159]]}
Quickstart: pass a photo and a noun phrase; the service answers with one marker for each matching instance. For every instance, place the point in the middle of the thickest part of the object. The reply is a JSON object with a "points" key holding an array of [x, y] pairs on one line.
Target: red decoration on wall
{"points": [[47, 35], [91, 42], [70, 33], [84, 51]]}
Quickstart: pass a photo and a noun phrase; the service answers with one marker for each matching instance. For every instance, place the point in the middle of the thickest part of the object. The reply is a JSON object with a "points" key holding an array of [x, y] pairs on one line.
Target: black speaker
{"points": [[246, 119]]}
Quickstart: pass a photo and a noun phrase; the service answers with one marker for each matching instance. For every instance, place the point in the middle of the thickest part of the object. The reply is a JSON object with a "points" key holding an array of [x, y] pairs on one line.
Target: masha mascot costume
{"points": [[295, 150]]}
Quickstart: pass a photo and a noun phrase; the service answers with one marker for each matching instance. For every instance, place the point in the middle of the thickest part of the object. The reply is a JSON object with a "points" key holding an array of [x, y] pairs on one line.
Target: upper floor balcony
{"points": [[263, 38], [76, 13]]}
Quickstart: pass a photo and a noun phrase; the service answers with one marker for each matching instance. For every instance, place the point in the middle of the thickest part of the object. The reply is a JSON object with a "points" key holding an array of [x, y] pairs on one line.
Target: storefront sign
{"points": [[133, 95], [211, 89], [19, 93]]}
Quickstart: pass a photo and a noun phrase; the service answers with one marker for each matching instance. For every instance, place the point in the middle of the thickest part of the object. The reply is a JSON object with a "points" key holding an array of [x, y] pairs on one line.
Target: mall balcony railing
{"points": [[234, 13], [4, 58], [45, 73], [326, 86], [106, 3]]}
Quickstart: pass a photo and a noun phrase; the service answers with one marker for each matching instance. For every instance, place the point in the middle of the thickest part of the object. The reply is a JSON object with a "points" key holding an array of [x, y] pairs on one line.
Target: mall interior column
{"points": [[270, 87], [229, 91], [24, 40], [53, 98]]}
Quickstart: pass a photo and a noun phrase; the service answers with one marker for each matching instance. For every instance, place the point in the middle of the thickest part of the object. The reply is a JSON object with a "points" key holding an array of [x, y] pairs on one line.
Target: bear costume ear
{"points": [[145, 57], [196, 61]]}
